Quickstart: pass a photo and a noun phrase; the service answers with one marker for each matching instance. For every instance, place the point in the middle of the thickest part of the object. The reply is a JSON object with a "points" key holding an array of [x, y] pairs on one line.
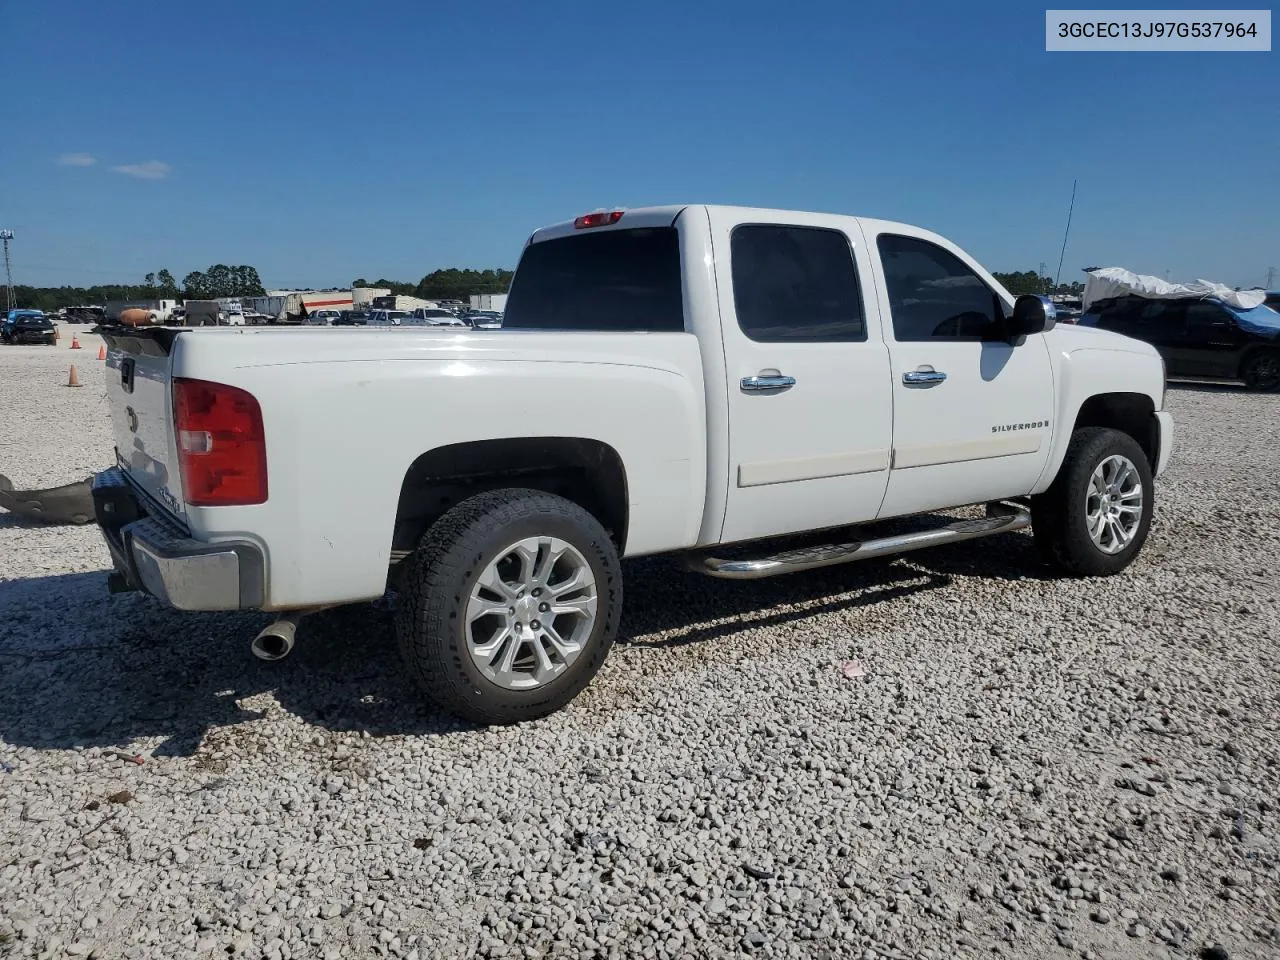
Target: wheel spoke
{"points": [[579, 606], [480, 607], [489, 649], [492, 581], [567, 650], [528, 557], [576, 582], [550, 552], [1095, 525], [509, 656], [545, 666]]}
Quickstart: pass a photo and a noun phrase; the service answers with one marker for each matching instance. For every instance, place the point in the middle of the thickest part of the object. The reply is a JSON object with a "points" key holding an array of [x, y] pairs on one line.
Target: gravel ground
{"points": [[1030, 767]]}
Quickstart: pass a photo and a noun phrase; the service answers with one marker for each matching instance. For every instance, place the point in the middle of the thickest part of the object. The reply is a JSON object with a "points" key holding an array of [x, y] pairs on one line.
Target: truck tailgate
{"points": [[138, 390]]}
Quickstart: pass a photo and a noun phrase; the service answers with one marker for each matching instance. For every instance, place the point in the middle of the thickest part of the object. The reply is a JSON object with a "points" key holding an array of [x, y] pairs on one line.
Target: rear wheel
{"points": [[1095, 517], [1261, 371], [510, 605]]}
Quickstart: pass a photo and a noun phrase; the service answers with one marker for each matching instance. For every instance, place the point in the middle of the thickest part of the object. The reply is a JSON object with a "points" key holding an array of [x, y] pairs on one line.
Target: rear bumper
{"points": [[1164, 441], [151, 554]]}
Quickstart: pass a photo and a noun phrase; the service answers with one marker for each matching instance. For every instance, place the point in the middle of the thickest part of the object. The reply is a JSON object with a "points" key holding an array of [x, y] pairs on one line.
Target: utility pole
{"points": [[6, 236], [1271, 275], [1040, 277]]}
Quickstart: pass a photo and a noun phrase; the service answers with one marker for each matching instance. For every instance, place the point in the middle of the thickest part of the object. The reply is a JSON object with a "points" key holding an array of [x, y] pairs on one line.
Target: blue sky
{"points": [[324, 141]]}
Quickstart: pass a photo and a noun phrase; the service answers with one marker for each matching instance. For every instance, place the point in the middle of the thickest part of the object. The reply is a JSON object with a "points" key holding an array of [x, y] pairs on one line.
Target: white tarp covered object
{"points": [[1110, 282]]}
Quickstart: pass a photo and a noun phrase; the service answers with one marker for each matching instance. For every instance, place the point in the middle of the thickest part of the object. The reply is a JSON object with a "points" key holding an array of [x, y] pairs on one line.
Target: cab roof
{"points": [[665, 216]]}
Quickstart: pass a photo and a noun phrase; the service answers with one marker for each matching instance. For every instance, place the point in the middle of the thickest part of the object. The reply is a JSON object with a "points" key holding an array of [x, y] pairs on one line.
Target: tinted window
{"points": [[1117, 315], [614, 280], [796, 284], [933, 295], [1204, 320]]}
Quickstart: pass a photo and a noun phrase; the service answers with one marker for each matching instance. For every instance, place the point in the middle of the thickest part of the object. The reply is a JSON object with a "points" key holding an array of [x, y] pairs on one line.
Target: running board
{"points": [[1007, 520]]}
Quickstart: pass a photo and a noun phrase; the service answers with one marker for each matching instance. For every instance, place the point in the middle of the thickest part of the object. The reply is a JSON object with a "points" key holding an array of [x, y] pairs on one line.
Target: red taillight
{"points": [[599, 219], [222, 448]]}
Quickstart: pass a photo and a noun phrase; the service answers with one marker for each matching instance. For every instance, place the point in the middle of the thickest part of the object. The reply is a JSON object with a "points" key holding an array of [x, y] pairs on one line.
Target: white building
{"points": [[363, 296]]}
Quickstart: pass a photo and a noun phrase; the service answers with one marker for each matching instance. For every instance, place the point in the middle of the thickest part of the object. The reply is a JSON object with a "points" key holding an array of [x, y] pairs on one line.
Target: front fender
{"points": [[1083, 373]]}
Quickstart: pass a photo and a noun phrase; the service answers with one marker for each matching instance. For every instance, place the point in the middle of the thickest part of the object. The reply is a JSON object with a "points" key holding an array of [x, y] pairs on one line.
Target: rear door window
{"points": [[614, 281], [796, 284]]}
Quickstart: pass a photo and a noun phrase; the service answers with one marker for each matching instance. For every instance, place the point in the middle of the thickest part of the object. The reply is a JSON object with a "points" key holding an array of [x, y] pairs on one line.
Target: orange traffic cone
{"points": [[74, 379], [102, 352], [75, 342]]}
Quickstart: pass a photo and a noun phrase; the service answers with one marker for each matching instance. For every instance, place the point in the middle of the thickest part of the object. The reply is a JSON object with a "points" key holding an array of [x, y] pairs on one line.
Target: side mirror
{"points": [[1029, 316]]}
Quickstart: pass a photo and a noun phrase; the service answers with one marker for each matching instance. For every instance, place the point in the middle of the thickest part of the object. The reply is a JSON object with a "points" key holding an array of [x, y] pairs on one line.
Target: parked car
{"points": [[324, 318], [28, 326], [679, 380], [387, 318], [1069, 309], [1199, 338], [437, 317], [351, 318], [484, 319]]}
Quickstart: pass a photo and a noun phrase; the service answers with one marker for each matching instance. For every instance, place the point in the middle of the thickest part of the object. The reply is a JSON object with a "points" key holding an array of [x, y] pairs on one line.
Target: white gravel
{"points": [[1030, 768]]}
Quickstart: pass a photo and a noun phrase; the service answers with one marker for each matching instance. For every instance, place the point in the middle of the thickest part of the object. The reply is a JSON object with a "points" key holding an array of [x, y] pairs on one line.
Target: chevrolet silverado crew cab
{"points": [[690, 380]]}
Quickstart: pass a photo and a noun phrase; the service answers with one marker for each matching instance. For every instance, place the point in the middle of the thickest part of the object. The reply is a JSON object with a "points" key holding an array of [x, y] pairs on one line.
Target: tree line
{"points": [[1029, 281], [218, 281], [448, 284], [221, 280]]}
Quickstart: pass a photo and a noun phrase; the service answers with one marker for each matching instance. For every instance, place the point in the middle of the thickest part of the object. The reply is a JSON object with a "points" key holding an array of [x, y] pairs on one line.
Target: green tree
{"points": [[195, 286], [248, 284], [455, 284], [168, 286], [149, 279], [1027, 281], [362, 282]]}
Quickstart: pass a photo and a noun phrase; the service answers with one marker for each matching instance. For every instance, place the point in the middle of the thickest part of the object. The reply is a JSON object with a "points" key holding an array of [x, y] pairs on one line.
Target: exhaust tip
{"points": [[274, 642]]}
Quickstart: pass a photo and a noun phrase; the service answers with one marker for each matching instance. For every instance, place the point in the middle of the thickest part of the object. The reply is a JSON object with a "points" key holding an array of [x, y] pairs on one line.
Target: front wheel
{"points": [[1095, 517], [1262, 371], [510, 605]]}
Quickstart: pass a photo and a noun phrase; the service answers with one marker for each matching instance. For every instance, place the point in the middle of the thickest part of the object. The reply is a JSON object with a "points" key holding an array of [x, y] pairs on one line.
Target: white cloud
{"points": [[76, 160], [151, 170]]}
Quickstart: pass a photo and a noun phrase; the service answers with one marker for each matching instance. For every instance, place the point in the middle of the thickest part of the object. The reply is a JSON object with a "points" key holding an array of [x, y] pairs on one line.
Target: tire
{"points": [[1261, 371], [441, 584], [1060, 517], [51, 342]]}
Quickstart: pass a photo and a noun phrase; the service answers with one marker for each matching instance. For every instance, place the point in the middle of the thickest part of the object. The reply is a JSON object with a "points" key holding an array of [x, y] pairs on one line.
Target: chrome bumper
{"points": [[151, 554], [1164, 423]]}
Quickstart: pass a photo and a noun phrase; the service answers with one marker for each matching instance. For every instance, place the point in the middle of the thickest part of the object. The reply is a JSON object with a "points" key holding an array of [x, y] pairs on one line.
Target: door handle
{"points": [[923, 376], [772, 382]]}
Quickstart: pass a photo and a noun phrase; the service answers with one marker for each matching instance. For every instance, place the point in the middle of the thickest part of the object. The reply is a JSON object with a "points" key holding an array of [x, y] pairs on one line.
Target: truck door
{"points": [[973, 414], [809, 398]]}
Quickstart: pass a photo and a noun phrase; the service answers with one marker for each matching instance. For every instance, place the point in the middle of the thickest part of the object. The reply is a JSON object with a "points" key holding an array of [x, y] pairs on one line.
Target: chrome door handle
{"points": [[923, 376], [768, 383]]}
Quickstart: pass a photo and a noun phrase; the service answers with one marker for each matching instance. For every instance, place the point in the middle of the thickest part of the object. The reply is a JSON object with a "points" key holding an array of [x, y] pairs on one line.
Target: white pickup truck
{"points": [[695, 380]]}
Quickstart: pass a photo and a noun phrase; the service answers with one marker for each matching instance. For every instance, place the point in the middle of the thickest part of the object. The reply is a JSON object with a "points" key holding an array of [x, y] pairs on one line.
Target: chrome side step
{"points": [[1002, 518]]}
